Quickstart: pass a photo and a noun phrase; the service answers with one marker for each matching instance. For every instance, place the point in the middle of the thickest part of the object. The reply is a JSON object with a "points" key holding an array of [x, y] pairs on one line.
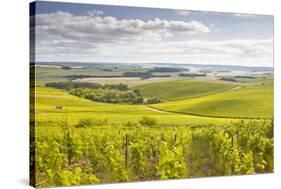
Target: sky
{"points": [[70, 32]]}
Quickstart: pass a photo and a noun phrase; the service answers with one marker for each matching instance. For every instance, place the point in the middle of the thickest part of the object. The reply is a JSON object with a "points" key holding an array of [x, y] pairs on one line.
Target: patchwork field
{"points": [[130, 81]]}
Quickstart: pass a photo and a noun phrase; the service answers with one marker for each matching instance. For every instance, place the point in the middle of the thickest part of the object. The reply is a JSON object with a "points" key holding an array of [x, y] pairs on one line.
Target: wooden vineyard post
{"points": [[175, 138], [69, 153], [232, 146], [158, 145], [126, 151]]}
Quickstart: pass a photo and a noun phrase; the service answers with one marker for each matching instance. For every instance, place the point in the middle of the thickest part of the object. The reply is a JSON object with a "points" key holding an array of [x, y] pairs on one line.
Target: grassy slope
{"points": [[183, 89], [75, 108], [251, 102]]}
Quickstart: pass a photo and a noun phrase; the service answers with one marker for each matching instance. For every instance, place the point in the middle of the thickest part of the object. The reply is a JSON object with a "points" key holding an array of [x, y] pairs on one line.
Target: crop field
{"points": [[78, 108], [247, 102], [184, 89], [128, 81], [49, 74], [177, 128]]}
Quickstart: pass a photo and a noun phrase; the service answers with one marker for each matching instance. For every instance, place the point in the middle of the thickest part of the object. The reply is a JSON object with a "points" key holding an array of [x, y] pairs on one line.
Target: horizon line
{"points": [[151, 63]]}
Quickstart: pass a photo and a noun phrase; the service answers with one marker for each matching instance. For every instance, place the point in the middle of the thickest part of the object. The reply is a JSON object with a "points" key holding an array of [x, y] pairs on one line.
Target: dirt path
{"points": [[199, 115], [155, 109], [234, 89]]}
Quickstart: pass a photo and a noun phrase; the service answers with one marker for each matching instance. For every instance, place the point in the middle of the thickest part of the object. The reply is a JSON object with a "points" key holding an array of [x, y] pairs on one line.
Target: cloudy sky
{"points": [[97, 33]]}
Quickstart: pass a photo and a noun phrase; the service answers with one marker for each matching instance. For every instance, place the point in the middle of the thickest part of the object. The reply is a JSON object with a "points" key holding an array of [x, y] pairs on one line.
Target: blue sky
{"points": [[102, 33]]}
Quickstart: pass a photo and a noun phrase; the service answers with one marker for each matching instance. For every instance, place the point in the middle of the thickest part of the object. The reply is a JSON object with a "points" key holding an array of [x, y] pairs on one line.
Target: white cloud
{"points": [[109, 29], [62, 36], [228, 52]]}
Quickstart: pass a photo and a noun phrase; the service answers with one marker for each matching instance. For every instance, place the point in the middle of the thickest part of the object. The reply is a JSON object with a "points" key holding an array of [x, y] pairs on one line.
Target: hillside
{"points": [[183, 89], [248, 102]]}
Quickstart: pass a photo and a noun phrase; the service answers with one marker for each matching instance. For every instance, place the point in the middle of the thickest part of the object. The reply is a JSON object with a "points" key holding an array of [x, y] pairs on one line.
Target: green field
{"points": [[78, 108], [184, 89], [55, 74], [201, 127], [248, 102]]}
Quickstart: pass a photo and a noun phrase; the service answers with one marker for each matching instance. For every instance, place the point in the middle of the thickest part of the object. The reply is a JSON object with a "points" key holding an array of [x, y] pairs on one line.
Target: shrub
{"points": [[84, 123], [99, 122], [108, 95], [228, 79], [153, 100], [130, 124], [120, 86], [66, 67], [148, 121]]}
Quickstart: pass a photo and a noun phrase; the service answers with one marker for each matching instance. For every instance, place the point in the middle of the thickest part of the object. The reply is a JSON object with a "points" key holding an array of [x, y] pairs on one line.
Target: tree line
{"points": [[108, 93]]}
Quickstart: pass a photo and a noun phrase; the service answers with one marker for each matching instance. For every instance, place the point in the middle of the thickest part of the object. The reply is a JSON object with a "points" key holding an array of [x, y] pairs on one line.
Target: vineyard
{"points": [[128, 94], [197, 128], [101, 154]]}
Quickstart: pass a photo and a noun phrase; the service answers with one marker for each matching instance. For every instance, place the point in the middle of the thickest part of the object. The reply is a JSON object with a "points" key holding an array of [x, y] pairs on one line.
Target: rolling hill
{"points": [[75, 109], [183, 89], [245, 102]]}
